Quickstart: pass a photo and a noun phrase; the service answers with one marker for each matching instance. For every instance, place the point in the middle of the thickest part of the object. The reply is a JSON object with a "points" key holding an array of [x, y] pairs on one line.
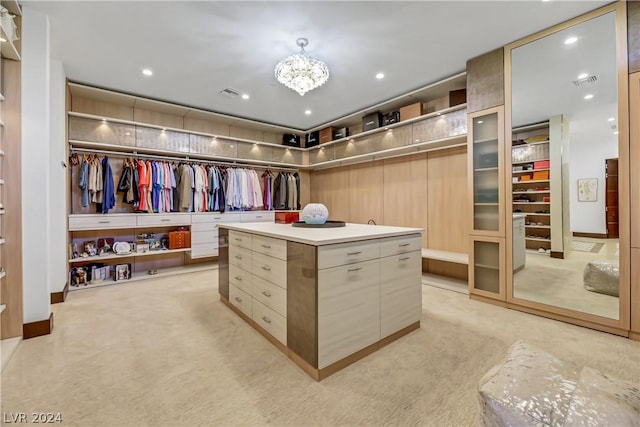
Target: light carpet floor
{"points": [[167, 352]]}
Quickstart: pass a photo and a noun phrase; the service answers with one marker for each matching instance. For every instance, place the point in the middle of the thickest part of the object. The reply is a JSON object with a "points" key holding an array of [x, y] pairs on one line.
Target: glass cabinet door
{"points": [[485, 145], [486, 273]]}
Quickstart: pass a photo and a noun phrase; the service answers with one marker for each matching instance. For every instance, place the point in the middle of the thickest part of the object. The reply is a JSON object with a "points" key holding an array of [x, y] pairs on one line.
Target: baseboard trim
{"points": [[557, 254], [37, 329], [592, 235], [58, 297], [634, 335]]}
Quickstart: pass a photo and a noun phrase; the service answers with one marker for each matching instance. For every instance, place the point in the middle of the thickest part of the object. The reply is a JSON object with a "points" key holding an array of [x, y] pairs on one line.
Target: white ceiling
{"points": [[198, 48]]}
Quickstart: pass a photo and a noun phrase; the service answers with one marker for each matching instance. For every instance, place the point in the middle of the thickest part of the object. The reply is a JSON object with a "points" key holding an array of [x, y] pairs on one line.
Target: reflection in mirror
{"points": [[564, 169]]}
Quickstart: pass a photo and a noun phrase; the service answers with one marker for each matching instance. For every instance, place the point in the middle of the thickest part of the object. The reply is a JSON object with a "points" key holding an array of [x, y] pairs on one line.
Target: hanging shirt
{"points": [[83, 183], [109, 198]]}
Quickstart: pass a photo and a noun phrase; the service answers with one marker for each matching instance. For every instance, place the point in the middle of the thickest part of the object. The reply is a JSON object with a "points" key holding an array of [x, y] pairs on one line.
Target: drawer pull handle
{"points": [[405, 258], [354, 253], [354, 269], [166, 220], [266, 294], [404, 244], [238, 299], [104, 222], [217, 217], [266, 268], [266, 246], [258, 216], [237, 239], [238, 278], [238, 256], [266, 319]]}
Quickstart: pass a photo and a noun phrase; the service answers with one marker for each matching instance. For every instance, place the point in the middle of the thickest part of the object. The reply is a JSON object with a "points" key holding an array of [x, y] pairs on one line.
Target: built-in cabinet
{"points": [[485, 175], [147, 264]]}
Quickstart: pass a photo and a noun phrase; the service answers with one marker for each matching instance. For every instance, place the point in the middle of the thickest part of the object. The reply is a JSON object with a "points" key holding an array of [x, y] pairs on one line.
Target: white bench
{"points": [[443, 282]]}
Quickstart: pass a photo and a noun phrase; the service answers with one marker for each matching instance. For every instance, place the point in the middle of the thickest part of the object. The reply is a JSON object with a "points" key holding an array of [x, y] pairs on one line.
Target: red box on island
{"points": [[287, 217]]}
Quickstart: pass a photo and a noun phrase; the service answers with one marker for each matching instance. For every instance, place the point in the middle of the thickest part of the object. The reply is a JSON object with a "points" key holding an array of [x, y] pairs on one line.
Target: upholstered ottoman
{"points": [[533, 388], [603, 276]]}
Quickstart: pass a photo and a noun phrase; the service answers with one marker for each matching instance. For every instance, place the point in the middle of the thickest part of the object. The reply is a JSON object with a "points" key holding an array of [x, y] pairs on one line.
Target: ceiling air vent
{"points": [[586, 81], [229, 92]]}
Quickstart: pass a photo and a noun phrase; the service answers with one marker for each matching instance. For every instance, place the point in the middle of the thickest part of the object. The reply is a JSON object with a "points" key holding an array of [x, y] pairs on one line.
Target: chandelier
{"points": [[301, 72]]}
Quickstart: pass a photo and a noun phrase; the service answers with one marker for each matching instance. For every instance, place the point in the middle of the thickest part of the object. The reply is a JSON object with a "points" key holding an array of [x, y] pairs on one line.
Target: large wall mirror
{"points": [[564, 178]]}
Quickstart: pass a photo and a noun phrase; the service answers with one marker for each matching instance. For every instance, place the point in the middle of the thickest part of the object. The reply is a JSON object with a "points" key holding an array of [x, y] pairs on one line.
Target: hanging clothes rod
{"points": [[179, 159]]}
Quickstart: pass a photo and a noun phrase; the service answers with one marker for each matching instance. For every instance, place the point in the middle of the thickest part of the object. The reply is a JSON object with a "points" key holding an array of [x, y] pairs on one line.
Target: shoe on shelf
{"points": [[549, 251], [542, 250]]}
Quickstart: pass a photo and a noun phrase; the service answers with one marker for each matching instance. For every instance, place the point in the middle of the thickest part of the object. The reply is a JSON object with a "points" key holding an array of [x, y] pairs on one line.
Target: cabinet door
{"points": [[348, 310], [486, 171], [486, 267], [400, 292]]}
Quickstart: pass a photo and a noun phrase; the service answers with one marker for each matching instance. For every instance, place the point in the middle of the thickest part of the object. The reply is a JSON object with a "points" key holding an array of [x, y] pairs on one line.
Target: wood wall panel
{"points": [[305, 188], [448, 207], [331, 187], [634, 158], [485, 81], [157, 118], [274, 138], [635, 289], [366, 193], [100, 108], [252, 134], [633, 34], [405, 193], [11, 291], [205, 126]]}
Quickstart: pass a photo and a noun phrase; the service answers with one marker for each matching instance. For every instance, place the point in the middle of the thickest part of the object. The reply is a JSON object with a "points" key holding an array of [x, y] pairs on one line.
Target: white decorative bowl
{"points": [[314, 213]]}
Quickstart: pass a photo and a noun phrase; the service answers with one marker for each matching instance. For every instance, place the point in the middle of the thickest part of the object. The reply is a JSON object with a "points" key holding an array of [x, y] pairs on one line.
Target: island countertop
{"points": [[321, 236]]}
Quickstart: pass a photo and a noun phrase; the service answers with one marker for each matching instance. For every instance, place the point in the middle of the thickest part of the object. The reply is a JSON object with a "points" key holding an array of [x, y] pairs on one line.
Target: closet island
{"points": [[326, 297]]}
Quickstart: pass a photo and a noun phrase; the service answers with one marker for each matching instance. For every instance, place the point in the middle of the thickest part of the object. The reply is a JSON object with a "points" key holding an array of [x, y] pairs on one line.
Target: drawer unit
{"points": [[347, 253], [271, 321], [240, 257], [241, 299], [348, 314], [238, 238], [271, 269], [204, 226], [203, 250], [270, 246], [98, 222], [198, 237], [270, 295], [214, 217], [241, 278], [400, 292], [258, 217], [160, 220], [400, 245]]}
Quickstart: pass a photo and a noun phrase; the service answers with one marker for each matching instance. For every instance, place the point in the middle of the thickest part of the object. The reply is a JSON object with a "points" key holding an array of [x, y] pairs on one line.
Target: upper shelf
{"points": [[12, 6], [8, 47]]}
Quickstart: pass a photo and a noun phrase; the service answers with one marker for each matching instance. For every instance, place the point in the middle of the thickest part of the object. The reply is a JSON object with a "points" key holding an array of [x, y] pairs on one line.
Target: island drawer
{"points": [[270, 295], [204, 237], [271, 269], [240, 257], [271, 321], [347, 253], [203, 250], [241, 299], [400, 245], [270, 246], [241, 278], [240, 239]]}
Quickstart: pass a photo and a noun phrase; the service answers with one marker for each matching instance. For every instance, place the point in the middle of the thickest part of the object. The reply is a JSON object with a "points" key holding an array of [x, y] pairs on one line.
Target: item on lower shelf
{"points": [[122, 248], [122, 272], [179, 239], [152, 271], [79, 276]]}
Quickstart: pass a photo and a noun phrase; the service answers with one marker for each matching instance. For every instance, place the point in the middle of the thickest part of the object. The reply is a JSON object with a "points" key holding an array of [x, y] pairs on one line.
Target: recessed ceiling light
{"points": [[2, 39], [307, 112], [104, 120], [245, 96], [380, 76], [480, 122], [128, 133], [615, 133], [147, 72], [386, 128], [610, 119], [588, 96], [571, 40], [583, 76]]}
